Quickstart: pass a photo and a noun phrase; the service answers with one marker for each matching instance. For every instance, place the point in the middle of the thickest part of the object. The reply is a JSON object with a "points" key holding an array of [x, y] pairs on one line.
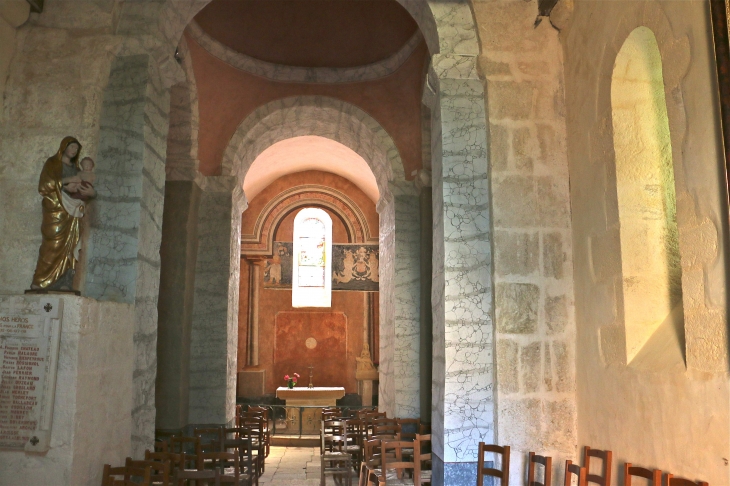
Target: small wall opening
{"points": [[312, 272], [650, 258]]}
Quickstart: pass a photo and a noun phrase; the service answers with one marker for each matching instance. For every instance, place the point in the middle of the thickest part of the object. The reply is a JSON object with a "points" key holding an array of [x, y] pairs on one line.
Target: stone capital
{"points": [[422, 179]]}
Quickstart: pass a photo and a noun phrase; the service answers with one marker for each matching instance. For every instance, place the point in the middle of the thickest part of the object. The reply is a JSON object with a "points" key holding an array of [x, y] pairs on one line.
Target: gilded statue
{"points": [[65, 186]]}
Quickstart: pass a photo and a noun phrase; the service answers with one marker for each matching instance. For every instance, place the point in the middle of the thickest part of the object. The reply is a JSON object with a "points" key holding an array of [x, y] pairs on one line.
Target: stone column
{"points": [[253, 302], [399, 394], [463, 375], [123, 246], [178, 253], [214, 337], [423, 186]]}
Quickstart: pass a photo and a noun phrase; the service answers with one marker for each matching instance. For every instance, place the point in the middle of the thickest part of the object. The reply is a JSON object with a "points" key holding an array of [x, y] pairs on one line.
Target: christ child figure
{"points": [[85, 178]]}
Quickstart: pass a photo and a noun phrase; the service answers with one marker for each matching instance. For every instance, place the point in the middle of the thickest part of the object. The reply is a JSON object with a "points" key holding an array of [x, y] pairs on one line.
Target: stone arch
{"points": [[448, 27], [315, 115]]}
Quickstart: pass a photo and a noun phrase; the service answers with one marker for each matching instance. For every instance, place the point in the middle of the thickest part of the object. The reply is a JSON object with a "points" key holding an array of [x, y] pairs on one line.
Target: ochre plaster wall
{"points": [[227, 96], [273, 302], [674, 420]]}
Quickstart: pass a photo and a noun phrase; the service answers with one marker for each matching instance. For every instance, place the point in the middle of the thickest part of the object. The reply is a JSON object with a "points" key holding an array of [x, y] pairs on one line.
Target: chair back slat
{"points": [[672, 481], [630, 471]]}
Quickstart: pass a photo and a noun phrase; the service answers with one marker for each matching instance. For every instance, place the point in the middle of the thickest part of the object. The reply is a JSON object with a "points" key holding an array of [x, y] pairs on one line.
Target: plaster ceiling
{"points": [[310, 33], [309, 153]]}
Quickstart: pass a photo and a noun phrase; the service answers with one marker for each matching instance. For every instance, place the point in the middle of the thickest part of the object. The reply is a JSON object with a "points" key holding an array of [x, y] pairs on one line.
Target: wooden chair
{"points": [[229, 464], [482, 471], [371, 460], [394, 466], [211, 438], [175, 460], [267, 426], [159, 471], [130, 476], [385, 428], [355, 441], [335, 460], [160, 446], [670, 480], [258, 441], [607, 457], [183, 477], [239, 439], [630, 471], [421, 456], [574, 470], [547, 463], [189, 445]]}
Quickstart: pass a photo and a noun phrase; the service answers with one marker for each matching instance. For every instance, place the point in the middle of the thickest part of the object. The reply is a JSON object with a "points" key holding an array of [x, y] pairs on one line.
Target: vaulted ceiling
{"points": [[310, 33]]}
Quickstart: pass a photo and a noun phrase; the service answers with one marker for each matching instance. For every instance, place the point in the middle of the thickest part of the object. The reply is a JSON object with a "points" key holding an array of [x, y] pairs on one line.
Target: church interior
{"points": [[505, 221]]}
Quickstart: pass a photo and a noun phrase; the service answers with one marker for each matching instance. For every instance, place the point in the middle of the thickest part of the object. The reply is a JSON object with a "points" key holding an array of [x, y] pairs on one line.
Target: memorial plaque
{"points": [[30, 331]]}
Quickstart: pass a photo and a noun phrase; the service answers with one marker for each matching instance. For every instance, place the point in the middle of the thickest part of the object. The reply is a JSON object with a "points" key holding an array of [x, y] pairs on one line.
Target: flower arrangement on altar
{"points": [[291, 380]]}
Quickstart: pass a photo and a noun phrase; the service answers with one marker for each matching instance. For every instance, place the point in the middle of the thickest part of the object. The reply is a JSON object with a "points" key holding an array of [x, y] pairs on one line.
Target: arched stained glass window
{"points": [[312, 275]]}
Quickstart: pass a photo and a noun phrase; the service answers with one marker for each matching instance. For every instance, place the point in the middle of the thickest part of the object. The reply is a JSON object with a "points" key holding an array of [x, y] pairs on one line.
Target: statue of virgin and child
{"points": [[66, 183]]}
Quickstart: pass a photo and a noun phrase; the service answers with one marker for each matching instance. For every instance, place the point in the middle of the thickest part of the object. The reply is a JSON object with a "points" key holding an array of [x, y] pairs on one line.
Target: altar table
{"points": [[308, 397]]}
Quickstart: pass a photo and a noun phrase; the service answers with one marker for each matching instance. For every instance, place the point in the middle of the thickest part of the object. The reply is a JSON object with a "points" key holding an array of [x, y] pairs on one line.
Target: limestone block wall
{"points": [[533, 273], [214, 335], [92, 415], [13, 13], [618, 404], [42, 104]]}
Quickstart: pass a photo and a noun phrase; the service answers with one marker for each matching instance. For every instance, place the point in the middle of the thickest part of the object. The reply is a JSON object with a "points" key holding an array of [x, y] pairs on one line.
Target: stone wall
{"points": [[92, 415], [619, 404], [13, 13], [533, 271]]}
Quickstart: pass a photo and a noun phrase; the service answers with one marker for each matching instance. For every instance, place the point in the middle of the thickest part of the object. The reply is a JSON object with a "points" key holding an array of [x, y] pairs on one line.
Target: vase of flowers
{"points": [[291, 380]]}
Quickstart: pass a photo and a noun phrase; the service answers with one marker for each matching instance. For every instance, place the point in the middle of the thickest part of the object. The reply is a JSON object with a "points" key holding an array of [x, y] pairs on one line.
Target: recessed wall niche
{"points": [[647, 208]]}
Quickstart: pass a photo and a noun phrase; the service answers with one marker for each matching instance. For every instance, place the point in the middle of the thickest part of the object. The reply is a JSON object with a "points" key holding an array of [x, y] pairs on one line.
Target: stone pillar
{"points": [[214, 337], [123, 257], [463, 374], [423, 186], [399, 394], [178, 253]]}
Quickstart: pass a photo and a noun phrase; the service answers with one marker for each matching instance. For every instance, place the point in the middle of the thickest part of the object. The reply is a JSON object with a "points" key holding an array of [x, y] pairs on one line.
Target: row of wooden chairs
{"points": [[216, 455], [582, 475]]}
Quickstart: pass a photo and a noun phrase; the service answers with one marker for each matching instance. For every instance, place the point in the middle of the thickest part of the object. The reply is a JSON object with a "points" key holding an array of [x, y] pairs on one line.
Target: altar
{"points": [[318, 397]]}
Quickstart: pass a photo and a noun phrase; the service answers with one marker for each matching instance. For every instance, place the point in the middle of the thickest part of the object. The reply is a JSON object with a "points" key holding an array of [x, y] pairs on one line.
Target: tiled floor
{"points": [[294, 466]]}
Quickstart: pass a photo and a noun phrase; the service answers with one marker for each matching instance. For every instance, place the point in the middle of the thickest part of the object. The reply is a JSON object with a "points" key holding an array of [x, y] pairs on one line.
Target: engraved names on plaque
{"points": [[30, 331]]}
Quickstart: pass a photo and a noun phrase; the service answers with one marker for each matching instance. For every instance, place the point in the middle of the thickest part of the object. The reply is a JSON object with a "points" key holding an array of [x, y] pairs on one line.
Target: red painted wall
{"points": [[283, 329]]}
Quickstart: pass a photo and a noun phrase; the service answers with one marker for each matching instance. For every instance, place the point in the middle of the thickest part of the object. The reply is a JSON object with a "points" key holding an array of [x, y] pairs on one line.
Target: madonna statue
{"points": [[58, 255]]}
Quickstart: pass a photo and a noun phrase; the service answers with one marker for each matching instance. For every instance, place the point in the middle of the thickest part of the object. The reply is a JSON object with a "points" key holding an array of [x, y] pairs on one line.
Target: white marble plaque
{"points": [[30, 331]]}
